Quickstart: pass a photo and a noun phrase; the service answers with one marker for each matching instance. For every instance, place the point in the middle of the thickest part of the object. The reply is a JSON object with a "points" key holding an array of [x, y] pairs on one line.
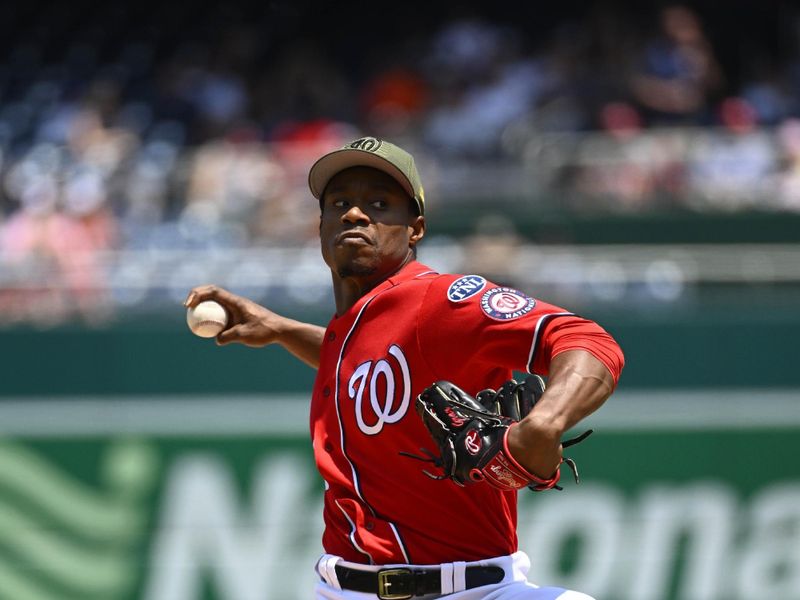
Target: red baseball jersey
{"points": [[415, 328]]}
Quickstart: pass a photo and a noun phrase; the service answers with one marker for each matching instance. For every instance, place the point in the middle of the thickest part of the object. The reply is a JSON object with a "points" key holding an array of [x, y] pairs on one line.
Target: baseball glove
{"points": [[471, 434], [513, 400]]}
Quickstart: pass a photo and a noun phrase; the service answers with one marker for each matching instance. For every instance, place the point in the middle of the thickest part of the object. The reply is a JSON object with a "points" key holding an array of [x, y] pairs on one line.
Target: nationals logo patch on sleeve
{"points": [[504, 304]]}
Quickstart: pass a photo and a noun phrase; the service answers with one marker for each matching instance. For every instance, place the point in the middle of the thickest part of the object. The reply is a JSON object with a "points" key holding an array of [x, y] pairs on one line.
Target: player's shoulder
{"points": [[476, 295], [459, 290], [461, 284], [452, 287]]}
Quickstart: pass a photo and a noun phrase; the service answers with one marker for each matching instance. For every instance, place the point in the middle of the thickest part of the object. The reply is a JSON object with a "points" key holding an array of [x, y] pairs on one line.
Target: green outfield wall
{"points": [[216, 497]]}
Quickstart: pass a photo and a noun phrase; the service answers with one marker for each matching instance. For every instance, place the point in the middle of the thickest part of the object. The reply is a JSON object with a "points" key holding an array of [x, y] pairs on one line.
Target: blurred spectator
{"points": [[55, 243], [393, 101], [732, 169], [789, 179], [621, 120], [678, 74], [231, 183], [767, 95], [481, 82], [492, 250], [303, 83]]}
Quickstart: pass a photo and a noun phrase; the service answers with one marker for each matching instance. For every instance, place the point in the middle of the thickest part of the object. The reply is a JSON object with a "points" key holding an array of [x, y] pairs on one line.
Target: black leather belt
{"points": [[401, 583]]}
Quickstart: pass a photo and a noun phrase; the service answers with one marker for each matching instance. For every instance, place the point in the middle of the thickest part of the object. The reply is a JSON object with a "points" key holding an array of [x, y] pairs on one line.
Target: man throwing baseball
{"points": [[421, 460]]}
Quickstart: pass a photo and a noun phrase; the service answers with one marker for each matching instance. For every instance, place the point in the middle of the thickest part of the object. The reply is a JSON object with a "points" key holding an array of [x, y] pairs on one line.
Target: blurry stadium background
{"points": [[638, 162]]}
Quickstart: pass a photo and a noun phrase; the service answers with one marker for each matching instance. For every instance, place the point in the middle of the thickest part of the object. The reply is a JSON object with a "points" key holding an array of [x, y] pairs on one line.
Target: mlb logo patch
{"points": [[504, 304], [465, 287]]}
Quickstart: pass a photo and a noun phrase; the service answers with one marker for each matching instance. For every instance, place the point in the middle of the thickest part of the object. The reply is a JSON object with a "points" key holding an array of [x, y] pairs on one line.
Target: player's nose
{"points": [[355, 215]]}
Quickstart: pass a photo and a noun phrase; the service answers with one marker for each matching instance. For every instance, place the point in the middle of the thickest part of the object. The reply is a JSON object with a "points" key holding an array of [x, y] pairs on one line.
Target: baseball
{"points": [[207, 319]]}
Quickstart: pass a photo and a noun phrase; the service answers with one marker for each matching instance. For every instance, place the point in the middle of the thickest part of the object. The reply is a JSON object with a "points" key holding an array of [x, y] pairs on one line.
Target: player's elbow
{"points": [[600, 345]]}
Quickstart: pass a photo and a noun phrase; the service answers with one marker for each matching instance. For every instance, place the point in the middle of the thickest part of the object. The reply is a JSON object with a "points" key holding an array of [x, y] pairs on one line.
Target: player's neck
{"points": [[348, 290]]}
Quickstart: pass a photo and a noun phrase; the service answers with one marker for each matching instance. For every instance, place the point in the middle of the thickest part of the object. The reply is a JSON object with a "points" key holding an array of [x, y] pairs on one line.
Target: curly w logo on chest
{"points": [[381, 390]]}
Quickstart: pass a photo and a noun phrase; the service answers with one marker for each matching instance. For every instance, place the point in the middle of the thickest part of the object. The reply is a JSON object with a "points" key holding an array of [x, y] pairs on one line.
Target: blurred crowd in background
{"points": [[159, 129]]}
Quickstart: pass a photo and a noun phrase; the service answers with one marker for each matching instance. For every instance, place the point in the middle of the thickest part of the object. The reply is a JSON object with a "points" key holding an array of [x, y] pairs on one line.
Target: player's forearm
{"points": [[303, 340], [578, 385]]}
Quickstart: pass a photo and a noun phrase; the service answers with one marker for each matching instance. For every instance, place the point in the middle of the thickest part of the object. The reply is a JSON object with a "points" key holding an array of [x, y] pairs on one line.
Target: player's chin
{"points": [[357, 266], [356, 270]]}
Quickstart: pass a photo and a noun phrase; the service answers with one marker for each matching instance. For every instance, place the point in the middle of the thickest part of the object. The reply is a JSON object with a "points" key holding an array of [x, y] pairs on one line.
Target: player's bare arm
{"points": [[255, 326], [578, 385]]}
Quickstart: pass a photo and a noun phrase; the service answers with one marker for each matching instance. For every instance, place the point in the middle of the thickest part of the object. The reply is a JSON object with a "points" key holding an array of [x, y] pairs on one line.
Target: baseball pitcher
{"points": [[422, 438]]}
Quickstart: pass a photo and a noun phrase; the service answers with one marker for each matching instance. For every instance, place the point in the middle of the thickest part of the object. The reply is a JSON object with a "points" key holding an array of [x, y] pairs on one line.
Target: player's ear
{"points": [[417, 230]]}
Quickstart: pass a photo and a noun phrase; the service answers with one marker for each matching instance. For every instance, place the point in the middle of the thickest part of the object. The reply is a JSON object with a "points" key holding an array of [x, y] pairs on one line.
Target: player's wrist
{"points": [[533, 479], [536, 449], [542, 429], [282, 330]]}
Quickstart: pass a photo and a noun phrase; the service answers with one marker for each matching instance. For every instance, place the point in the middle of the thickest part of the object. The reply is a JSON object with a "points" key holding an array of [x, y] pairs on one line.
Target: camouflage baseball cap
{"points": [[369, 152]]}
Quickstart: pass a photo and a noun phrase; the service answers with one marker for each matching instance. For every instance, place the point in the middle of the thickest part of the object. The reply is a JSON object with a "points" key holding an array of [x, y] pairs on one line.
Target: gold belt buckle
{"points": [[384, 591]]}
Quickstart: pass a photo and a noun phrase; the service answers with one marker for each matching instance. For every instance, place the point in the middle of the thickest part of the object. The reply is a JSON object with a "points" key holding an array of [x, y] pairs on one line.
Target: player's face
{"points": [[367, 226]]}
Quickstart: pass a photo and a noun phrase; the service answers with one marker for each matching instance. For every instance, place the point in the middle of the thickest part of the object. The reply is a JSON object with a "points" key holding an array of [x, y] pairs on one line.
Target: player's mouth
{"points": [[353, 237]]}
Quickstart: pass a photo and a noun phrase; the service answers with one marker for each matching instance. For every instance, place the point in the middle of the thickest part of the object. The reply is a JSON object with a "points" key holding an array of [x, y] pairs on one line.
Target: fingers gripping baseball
{"points": [[248, 322], [237, 333]]}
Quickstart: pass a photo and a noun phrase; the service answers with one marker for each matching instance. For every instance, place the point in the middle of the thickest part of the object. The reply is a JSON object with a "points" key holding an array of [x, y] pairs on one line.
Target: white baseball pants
{"points": [[514, 586]]}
